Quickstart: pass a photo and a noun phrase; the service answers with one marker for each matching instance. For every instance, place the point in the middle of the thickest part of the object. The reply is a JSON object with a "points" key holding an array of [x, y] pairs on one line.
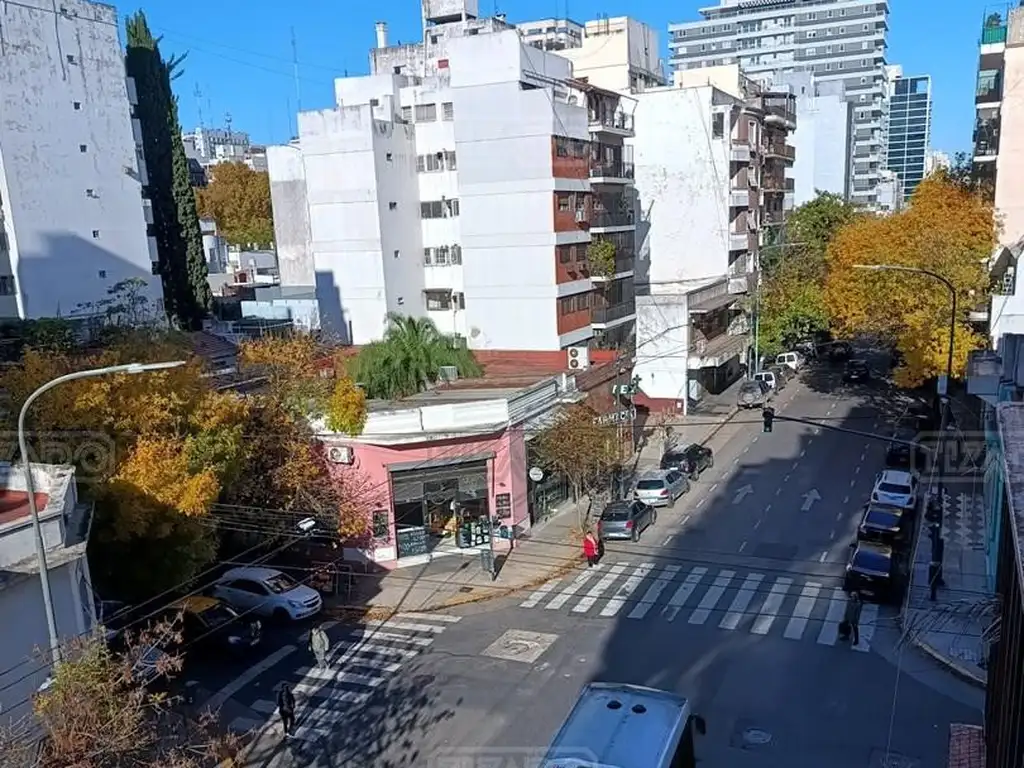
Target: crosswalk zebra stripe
{"points": [[804, 606], [563, 597], [654, 591], [411, 627], [627, 589], [738, 608], [538, 595], [678, 600], [443, 618], [771, 606], [599, 589], [830, 627], [868, 620], [711, 597], [375, 634]]}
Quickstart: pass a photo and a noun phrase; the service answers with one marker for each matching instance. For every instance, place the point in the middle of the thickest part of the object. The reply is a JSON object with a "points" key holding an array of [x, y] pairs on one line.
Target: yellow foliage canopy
{"points": [[238, 199], [346, 410], [945, 230]]}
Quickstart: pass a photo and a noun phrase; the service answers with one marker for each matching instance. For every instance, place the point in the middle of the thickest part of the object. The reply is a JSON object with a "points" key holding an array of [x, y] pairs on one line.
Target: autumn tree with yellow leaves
{"points": [[947, 230], [238, 199]]}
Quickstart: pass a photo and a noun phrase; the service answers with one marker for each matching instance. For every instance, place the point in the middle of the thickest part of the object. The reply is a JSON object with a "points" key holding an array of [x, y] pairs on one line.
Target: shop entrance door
{"points": [[442, 504]]}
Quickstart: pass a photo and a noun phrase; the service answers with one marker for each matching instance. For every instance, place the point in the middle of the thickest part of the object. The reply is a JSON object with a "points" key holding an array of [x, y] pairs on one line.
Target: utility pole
{"points": [[298, 82]]}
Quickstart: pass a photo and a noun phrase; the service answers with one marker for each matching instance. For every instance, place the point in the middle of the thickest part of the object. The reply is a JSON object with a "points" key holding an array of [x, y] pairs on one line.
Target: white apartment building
{"points": [[72, 222], [824, 121], [834, 39], [711, 162], [620, 54], [551, 34], [462, 180]]}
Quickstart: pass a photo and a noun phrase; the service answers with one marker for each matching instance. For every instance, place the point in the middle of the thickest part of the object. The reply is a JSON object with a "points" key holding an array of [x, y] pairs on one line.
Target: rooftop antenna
{"points": [[227, 121], [199, 105], [295, 74]]}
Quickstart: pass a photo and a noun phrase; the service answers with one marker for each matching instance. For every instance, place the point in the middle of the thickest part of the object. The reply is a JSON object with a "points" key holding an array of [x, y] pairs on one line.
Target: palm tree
{"points": [[409, 358]]}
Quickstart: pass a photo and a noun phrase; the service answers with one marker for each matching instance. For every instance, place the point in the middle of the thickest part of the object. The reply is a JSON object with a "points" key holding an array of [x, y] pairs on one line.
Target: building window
{"points": [[155, 268], [438, 301], [76, 105], [6, 285], [397, 254], [428, 256], [563, 201], [456, 254], [389, 157], [578, 302], [71, 58], [441, 256], [988, 83], [439, 209], [95, 234], [447, 111], [90, 193], [381, 524], [103, 274], [392, 206], [717, 125], [82, 148], [426, 113], [407, 114], [449, 159]]}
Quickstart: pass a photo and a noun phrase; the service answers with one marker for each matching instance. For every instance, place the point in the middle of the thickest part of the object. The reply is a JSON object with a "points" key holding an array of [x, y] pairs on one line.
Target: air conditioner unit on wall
{"points": [[579, 358], [340, 454], [581, 216]]}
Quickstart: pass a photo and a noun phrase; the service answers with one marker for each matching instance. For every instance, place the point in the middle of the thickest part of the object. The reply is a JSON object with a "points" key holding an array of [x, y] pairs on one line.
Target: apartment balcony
{"points": [[773, 217], [717, 351], [624, 267], [779, 150], [739, 153], [742, 241], [615, 123], [779, 109], [611, 172], [613, 313], [739, 198], [611, 220]]}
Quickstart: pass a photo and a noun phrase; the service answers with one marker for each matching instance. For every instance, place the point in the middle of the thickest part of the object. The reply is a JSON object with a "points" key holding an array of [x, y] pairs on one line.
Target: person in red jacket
{"points": [[590, 549]]}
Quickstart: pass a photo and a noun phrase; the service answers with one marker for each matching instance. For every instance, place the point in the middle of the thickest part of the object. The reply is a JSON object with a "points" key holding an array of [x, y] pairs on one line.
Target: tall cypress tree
{"points": [[183, 268]]}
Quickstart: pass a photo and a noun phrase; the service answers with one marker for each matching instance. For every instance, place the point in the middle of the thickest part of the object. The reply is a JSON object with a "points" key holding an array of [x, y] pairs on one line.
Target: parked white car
{"points": [[792, 360], [895, 489], [267, 592]]}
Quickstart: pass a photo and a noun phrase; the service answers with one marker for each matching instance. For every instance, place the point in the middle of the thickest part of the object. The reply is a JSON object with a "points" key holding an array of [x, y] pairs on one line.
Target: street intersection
{"points": [[732, 598]]}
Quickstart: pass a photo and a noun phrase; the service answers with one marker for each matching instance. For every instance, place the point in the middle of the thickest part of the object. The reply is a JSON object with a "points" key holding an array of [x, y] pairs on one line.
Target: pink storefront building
{"points": [[446, 471]]}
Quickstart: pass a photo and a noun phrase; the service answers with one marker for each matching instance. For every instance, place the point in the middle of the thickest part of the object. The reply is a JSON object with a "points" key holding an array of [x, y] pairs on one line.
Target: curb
{"points": [[956, 668]]}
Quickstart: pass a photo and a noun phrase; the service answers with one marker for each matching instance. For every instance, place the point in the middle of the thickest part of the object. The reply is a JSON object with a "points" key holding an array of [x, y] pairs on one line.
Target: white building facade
{"points": [[620, 54], [455, 183], [72, 220], [841, 40], [711, 162]]}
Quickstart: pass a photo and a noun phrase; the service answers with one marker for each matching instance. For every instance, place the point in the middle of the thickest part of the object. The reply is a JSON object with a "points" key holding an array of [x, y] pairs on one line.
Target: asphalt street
{"points": [[731, 598]]}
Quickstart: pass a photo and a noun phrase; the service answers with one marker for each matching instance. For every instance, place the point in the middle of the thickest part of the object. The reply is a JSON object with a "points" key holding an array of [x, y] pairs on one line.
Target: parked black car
{"points": [[904, 457], [625, 520], [691, 460], [876, 571], [886, 525], [856, 370]]}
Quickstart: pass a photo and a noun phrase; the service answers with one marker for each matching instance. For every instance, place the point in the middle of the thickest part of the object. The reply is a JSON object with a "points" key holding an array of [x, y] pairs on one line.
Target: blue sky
{"points": [[240, 52]]}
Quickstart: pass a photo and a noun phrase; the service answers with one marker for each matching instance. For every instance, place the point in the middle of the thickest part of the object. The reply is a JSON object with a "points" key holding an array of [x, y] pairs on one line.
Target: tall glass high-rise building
{"points": [[836, 40], [910, 126]]}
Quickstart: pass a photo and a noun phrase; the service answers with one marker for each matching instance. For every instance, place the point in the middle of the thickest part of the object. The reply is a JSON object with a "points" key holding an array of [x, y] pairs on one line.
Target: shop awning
{"points": [[715, 302], [448, 461]]}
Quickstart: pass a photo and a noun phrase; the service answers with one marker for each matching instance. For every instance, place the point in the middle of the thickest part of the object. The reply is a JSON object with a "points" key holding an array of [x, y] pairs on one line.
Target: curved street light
{"points": [[44, 577]]}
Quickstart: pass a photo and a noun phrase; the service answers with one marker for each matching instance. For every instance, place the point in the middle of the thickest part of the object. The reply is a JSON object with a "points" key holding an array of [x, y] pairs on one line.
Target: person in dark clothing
{"points": [[854, 606], [286, 708]]}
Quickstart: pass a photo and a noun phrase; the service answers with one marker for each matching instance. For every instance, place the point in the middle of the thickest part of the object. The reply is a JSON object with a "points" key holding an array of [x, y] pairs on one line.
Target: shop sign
{"points": [[627, 414]]}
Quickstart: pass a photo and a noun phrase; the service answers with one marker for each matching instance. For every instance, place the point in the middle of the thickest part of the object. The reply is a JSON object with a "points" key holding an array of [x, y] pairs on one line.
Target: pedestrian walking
{"points": [[286, 708], [590, 549], [319, 645], [854, 606]]}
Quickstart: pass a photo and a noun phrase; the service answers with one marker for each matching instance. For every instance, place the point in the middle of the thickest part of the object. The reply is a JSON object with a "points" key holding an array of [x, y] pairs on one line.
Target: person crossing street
{"points": [[286, 708], [854, 607], [319, 644]]}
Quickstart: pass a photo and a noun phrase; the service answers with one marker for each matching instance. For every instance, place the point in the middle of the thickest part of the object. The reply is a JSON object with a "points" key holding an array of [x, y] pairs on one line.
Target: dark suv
{"points": [[856, 370], [691, 461], [885, 525]]}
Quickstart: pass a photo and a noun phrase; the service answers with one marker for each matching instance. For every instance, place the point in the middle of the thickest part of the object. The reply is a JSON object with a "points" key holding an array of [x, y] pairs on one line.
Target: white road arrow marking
{"points": [[742, 493], [809, 498]]}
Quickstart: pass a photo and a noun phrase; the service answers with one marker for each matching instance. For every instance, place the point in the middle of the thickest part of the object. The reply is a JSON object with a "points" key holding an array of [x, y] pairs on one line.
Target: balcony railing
{"points": [[773, 184], [624, 264], [772, 217], [611, 170], [619, 121], [613, 312], [780, 149], [611, 219]]}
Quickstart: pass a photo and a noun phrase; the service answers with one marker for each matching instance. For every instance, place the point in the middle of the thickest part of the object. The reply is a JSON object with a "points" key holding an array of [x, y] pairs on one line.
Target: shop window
{"points": [[381, 524]]}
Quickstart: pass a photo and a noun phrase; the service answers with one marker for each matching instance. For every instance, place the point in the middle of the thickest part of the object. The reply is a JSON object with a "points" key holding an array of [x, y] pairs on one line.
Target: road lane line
{"points": [[411, 627], [839, 516], [569, 591], [598, 589], [804, 606], [771, 606], [678, 600], [832, 535], [248, 676], [853, 483], [757, 524], [846, 499], [654, 592], [824, 556], [666, 541], [743, 546], [863, 455], [803, 453], [712, 488], [738, 608], [795, 465], [538, 594], [768, 509], [778, 491], [856, 470], [830, 626], [711, 598], [627, 589], [868, 620], [786, 478]]}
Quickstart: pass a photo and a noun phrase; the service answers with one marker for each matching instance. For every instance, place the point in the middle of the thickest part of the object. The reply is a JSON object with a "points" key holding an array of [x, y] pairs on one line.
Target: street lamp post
{"points": [[44, 577]]}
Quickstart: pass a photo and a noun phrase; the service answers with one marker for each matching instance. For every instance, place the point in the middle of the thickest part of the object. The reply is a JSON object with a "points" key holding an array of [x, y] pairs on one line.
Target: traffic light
{"points": [[768, 415]]}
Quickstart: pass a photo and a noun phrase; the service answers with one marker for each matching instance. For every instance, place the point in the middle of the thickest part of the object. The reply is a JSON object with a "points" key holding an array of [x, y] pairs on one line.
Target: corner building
{"points": [[454, 182]]}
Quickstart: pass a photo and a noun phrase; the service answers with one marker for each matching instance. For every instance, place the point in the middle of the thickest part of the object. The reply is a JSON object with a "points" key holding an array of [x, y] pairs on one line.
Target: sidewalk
{"points": [[951, 629]]}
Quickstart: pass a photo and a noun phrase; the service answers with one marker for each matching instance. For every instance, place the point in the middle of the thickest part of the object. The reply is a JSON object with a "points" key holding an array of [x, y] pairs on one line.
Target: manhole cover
{"points": [[756, 737]]}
